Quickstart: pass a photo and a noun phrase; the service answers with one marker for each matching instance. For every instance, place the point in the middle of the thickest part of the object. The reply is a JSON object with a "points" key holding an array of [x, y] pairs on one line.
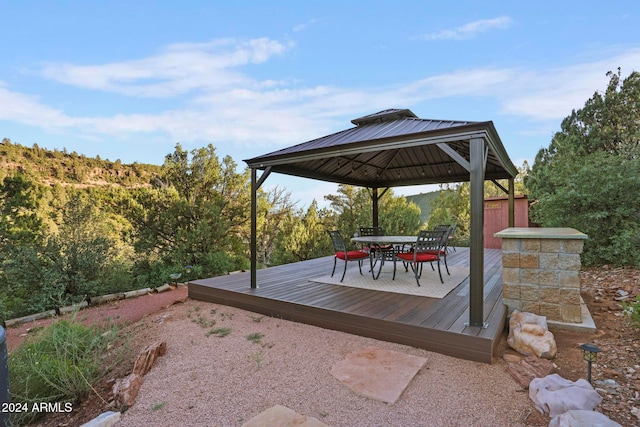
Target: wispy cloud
{"points": [[242, 111], [178, 69], [29, 110], [304, 26], [470, 30]]}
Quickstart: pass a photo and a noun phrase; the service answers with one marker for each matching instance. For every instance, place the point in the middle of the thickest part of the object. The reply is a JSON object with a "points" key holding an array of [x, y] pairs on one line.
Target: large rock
{"points": [[531, 367], [529, 335], [554, 395], [579, 418]]}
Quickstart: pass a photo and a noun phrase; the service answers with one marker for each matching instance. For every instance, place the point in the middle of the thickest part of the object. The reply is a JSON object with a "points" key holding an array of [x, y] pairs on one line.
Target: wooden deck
{"points": [[434, 324]]}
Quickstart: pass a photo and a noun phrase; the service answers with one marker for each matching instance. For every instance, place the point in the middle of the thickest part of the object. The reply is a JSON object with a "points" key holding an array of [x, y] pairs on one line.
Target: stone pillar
{"points": [[540, 271]]}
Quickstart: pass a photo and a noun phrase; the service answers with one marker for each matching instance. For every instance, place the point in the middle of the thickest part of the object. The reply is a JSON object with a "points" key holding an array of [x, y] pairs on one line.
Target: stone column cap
{"points": [[540, 233]]}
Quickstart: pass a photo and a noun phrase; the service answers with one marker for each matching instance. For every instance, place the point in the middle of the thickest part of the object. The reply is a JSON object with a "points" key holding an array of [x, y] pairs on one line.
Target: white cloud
{"points": [[471, 29], [178, 69], [553, 93], [241, 111], [26, 109], [304, 26]]}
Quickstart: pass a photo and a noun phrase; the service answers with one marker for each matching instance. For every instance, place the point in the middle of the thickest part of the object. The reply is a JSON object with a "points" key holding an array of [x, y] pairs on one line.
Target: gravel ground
{"points": [[208, 380]]}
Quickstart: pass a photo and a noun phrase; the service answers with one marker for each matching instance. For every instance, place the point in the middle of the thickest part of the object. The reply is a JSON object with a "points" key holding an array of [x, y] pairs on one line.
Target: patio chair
{"points": [[341, 252], [451, 229], [428, 248], [445, 229]]}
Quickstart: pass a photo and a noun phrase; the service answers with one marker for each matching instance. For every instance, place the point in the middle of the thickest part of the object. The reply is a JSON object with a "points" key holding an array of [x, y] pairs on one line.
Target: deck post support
{"points": [[476, 280], [512, 203], [374, 202], [255, 185], [254, 229]]}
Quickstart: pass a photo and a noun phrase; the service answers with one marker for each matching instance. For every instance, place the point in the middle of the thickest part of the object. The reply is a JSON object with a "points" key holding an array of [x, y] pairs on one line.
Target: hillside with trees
{"points": [[424, 201], [71, 169]]}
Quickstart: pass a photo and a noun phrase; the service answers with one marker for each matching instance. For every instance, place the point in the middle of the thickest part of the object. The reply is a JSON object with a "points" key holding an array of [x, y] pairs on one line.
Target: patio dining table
{"points": [[385, 240], [381, 241]]}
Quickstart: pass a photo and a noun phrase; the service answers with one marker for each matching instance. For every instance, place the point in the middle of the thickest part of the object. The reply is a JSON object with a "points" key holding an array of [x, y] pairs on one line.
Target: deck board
{"points": [[434, 324]]}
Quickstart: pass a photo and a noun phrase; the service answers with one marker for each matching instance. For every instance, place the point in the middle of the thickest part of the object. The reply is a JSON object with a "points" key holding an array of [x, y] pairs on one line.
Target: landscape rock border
{"points": [[88, 302]]}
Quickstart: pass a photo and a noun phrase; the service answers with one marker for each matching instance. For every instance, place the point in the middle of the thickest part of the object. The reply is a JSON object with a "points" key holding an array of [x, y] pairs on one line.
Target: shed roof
{"points": [[392, 148]]}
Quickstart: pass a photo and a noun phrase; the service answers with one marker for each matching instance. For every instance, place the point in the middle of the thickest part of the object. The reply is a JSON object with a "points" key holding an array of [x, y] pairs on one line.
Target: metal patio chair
{"points": [[341, 252], [428, 248]]}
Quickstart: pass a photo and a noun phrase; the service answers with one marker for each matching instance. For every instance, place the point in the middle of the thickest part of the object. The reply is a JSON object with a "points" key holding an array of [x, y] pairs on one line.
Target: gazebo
{"points": [[394, 148]]}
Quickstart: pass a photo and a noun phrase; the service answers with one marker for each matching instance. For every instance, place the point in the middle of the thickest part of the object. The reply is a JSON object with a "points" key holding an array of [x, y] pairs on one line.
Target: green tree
{"points": [[20, 222], [274, 208], [304, 236], [198, 214], [86, 244], [589, 176], [22, 239], [354, 210], [352, 206], [453, 206], [397, 216]]}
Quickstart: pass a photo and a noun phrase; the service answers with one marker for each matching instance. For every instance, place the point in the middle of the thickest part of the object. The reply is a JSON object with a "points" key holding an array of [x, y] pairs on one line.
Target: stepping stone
{"points": [[377, 373], [281, 416]]}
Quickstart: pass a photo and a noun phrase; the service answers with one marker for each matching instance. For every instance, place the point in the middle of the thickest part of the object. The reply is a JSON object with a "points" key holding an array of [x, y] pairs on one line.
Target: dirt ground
{"points": [[603, 289]]}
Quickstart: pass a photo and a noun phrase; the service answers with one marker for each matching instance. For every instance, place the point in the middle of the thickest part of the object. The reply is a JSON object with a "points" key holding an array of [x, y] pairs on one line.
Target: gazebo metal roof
{"points": [[394, 148]]}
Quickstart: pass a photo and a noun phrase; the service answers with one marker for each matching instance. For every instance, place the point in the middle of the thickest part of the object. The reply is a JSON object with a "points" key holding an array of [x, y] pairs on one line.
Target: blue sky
{"points": [[129, 79]]}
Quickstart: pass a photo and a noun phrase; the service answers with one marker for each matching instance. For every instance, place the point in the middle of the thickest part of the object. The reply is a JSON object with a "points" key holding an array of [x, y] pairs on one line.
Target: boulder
{"points": [[581, 418], [106, 419], [554, 395], [529, 335], [529, 368]]}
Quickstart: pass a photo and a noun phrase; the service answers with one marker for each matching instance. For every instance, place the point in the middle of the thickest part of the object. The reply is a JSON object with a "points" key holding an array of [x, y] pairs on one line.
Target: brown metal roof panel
{"points": [[372, 131]]}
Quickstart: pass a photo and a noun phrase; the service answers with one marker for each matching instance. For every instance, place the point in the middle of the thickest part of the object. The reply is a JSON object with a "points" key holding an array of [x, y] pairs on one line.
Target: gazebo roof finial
{"points": [[384, 116]]}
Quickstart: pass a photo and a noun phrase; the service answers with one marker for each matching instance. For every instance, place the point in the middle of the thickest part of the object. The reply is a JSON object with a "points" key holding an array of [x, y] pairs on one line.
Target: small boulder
{"points": [[106, 419], [554, 395], [528, 369], [581, 418], [125, 390], [148, 356], [529, 335]]}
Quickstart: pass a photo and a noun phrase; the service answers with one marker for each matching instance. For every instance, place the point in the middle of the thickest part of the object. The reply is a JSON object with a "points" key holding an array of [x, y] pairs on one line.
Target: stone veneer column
{"points": [[540, 271]]}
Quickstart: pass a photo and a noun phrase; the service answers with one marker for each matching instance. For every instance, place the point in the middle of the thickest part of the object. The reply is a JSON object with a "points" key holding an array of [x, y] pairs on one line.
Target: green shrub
{"points": [[59, 364], [632, 310]]}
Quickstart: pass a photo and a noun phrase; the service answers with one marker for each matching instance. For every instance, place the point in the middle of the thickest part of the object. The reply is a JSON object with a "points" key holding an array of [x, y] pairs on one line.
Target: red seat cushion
{"points": [[420, 257], [442, 252], [352, 255]]}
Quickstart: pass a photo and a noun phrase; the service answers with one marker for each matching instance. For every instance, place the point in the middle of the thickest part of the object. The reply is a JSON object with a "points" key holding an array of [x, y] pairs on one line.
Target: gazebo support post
{"points": [[476, 280], [512, 203], [254, 229], [255, 185], [374, 203]]}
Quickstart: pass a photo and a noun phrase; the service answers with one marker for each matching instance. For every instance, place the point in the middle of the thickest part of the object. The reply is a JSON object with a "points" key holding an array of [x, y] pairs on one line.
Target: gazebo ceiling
{"points": [[392, 148]]}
